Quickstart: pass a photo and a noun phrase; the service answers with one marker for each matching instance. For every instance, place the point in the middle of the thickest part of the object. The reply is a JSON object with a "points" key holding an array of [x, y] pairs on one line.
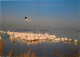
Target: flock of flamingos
{"points": [[29, 36]]}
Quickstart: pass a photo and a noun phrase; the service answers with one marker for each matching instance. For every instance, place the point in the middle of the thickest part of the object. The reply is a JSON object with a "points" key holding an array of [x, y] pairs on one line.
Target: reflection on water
{"points": [[72, 53]]}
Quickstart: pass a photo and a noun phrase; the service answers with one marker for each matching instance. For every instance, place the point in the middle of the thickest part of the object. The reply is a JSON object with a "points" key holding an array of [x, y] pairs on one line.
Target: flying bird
{"points": [[26, 19]]}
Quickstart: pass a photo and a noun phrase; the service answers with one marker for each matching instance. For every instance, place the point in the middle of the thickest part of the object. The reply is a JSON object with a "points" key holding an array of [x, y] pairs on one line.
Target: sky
{"points": [[45, 14]]}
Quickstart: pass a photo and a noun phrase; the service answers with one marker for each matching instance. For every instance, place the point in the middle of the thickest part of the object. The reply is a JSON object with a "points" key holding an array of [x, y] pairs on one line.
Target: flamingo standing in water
{"points": [[62, 39], [76, 41], [0, 37], [70, 40]]}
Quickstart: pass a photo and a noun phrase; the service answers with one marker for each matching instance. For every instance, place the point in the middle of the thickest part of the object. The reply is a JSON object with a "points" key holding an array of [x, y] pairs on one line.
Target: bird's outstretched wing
{"points": [[30, 20]]}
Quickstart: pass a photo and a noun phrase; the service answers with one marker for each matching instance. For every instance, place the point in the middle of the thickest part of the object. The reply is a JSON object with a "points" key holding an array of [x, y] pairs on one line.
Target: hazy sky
{"points": [[45, 14]]}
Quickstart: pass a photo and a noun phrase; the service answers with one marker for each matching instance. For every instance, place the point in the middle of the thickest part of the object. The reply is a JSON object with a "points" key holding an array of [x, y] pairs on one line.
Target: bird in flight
{"points": [[26, 19]]}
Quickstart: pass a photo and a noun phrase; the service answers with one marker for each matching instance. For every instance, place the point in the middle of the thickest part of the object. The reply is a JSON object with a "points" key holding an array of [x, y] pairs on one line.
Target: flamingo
{"points": [[70, 40], [26, 19], [76, 41], [0, 37]]}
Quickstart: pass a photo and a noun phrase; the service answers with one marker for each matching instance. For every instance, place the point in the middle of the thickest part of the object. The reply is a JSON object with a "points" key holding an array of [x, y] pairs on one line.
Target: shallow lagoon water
{"points": [[43, 49]]}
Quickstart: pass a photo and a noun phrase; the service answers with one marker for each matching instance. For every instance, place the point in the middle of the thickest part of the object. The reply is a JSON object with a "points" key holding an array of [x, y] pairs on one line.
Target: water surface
{"points": [[42, 49]]}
